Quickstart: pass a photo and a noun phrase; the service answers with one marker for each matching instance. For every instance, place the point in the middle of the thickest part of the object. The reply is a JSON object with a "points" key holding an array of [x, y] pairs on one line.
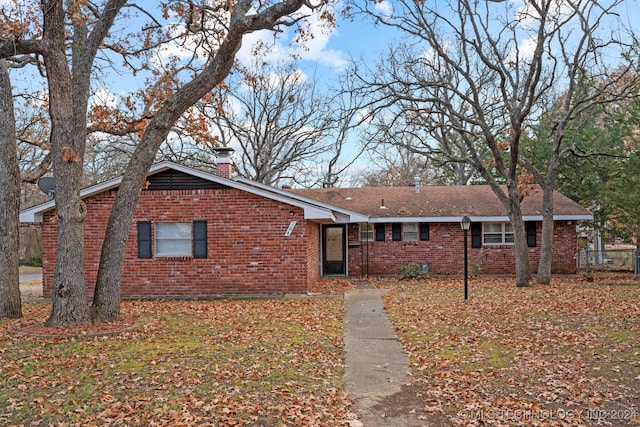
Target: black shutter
{"points": [[199, 239], [476, 235], [424, 231], [396, 232], [144, 239], [531, 234], [379, 232]]}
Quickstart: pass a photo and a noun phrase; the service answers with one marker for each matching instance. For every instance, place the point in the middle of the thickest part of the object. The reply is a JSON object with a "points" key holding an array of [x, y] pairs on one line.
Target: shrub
{"points": [[412, 271], [35, 261]]}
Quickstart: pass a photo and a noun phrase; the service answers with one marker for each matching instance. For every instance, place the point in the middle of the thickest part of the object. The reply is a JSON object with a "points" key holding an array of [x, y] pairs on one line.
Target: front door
{"points": [[334, 254]]}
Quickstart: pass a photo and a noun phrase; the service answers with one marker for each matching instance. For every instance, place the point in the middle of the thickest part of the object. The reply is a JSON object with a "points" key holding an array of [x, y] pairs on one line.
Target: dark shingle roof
{"points": [[435, 201]]}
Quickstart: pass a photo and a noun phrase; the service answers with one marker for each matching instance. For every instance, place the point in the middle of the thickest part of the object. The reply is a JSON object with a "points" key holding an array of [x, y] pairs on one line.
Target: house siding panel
{"points": [[248, 252]]}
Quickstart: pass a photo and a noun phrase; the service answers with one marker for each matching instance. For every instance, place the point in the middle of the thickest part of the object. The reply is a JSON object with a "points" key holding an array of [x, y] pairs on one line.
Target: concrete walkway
{"points": [[375, 365]]}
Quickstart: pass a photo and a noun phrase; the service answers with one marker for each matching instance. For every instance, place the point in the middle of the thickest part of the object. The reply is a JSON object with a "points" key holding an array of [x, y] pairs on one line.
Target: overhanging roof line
{"points": [[355, 216], [316, 210], [330, 209]]}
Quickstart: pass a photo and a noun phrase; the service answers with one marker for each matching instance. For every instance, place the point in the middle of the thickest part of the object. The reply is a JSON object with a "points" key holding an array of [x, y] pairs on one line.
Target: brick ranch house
{"points": [[195, 234]]}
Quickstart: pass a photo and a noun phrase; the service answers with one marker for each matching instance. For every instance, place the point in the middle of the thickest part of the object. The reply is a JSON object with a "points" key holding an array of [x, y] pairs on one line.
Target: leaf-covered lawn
{"points": [[266, 362], [564, 354]]}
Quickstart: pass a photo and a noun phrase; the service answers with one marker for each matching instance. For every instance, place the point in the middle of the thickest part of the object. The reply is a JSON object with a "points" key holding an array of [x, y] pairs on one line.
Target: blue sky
{"points": [[328, 54], [330, 51]]}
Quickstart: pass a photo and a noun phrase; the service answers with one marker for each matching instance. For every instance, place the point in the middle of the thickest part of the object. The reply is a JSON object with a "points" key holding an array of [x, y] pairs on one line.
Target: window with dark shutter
{"points": [[144, 239], [379, 232], [199, 239], [476, 235], [424, 231], [531, 234], [396, 232]]}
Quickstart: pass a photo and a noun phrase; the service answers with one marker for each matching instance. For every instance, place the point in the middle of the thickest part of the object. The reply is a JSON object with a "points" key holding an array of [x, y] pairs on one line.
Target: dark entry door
{"points": [[334, 250]]}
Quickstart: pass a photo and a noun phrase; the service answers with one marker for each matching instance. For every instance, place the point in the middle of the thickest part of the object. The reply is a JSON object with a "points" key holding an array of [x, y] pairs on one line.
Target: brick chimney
{"points": [[224, 166]]}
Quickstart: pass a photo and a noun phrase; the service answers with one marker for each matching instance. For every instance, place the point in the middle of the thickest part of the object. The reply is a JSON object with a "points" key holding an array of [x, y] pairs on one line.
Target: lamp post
{"points": [[465, 223]]}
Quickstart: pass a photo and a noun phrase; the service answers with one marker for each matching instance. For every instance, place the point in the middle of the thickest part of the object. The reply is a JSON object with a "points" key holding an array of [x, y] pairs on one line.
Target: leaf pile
{"points": [[265, 362], [331, 286], [564, 354]]}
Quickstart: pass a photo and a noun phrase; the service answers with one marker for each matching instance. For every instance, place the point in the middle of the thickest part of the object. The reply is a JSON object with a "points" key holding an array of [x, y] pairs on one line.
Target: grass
{"points": [[508, 356], [190, 363], [542, 351]]}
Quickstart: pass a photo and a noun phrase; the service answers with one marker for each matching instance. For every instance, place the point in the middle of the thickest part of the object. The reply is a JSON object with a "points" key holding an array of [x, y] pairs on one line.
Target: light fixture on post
{"points": [[465, 223]]}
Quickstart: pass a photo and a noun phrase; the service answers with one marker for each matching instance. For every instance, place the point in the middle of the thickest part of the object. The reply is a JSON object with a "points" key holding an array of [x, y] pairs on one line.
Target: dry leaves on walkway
{"points": [[267, 362], [564, 354]]}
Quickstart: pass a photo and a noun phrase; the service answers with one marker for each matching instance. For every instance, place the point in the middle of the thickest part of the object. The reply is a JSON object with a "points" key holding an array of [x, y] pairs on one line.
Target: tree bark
{"points": [[543, 276], [68, 104], [523, 265], [106, 301], [10, 302], [69, 292]]}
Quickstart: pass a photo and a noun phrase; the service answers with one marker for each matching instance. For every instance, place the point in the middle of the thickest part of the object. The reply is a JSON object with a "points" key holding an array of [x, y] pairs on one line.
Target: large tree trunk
{"points": [[106, 299], [523, 266], [69, 292], [69, 97], [10, 303], [543, 276]]}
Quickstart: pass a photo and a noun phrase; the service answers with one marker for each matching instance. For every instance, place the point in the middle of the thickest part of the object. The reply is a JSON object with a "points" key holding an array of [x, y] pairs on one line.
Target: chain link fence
{"points": [[611, 260]]}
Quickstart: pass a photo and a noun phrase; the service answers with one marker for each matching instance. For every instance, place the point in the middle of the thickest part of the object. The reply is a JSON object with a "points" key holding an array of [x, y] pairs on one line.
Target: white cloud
{"points": [[103, 96], [529, 17], [525, 51], [314, 49], [384, 8]]}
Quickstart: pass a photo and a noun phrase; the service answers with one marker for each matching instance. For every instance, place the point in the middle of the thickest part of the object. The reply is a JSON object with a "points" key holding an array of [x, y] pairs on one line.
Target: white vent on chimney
{"points": [[224, 166]]}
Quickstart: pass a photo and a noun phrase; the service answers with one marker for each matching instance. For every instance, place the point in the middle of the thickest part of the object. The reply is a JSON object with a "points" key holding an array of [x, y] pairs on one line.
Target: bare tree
{"points": [[394, 166], [24, 157], [607, 89], [69, 41], [487, 70], [242, 18], [404, 128], [279, 122]]}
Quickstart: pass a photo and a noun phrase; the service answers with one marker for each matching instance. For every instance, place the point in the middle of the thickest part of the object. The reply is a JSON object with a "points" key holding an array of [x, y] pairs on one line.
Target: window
{"points": [[410, 232], [380, 230], [367, 232], [173, 239], [497, 233]]}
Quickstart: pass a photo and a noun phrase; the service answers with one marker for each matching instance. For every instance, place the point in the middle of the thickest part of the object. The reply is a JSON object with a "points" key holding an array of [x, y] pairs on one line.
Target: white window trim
{"points": [[503, 234], [188, 251], [411, 232], [368, 234]]}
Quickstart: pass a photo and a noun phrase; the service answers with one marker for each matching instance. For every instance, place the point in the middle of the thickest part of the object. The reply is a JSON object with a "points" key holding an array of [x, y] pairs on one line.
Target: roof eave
{"points": [[477, 218], [313, 210]]}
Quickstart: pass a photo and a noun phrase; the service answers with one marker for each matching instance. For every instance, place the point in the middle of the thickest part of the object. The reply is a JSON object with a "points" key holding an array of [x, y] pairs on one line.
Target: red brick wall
{"points": [[248, 253], [445, 255], [313, 252]]}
